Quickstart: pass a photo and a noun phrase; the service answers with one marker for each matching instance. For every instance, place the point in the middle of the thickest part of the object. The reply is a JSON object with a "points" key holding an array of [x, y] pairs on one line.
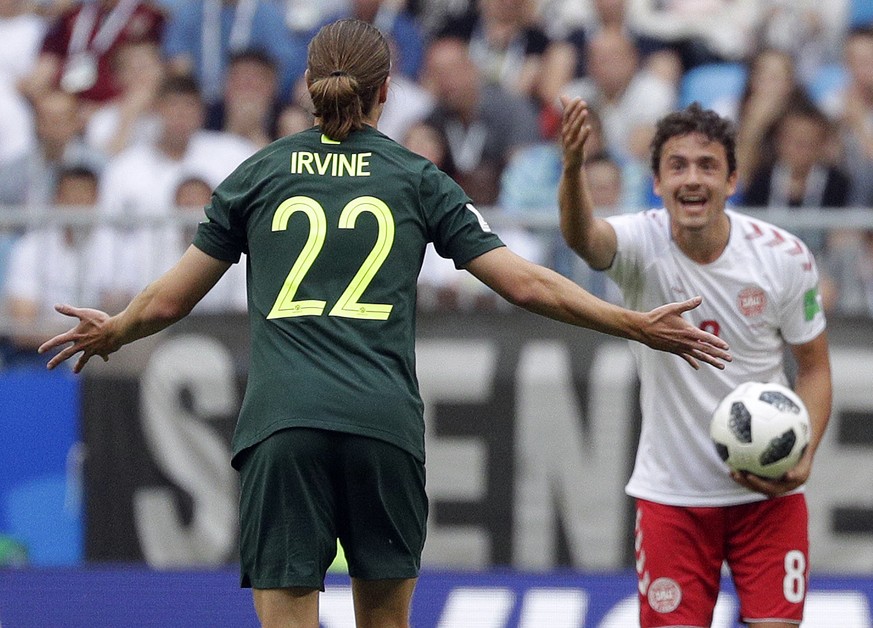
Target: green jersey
{"points": [[334, 234]]}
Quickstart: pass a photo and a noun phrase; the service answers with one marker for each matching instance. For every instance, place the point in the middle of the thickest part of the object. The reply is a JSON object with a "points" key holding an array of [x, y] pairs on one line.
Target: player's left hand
{"points": [[775, 487], [91, 336], [666, 330]]}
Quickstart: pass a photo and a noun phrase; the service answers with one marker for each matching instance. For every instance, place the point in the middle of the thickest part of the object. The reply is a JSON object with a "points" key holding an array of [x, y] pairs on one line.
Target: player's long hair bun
{"points": [[348, 62]]}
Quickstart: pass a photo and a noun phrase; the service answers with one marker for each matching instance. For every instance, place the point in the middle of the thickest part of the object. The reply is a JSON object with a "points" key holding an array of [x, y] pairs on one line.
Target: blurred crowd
{"points": [[127, 113]]}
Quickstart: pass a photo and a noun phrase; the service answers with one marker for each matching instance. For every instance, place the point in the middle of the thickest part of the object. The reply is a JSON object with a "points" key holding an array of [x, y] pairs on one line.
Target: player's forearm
{"points": [[814, 387], [576, 207], [592, 238], [151, 311], [554, 296]]}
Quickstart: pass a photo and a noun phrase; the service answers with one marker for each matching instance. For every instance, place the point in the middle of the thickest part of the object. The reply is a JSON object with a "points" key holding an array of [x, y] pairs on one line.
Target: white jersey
{"points": [[761, 293]]}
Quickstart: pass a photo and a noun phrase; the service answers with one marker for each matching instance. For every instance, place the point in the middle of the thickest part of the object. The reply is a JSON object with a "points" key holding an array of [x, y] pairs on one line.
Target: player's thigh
{"points": [[286, 607], [288, 509], [383, 515], [382, 603], [768, 553], [678, 562]]}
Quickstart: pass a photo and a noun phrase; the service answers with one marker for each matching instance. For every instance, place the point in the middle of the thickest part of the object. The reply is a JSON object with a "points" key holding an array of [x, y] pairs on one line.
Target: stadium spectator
{"points": [[431, 15], [802, 173], [51, 264], [429, 142], [203, 34], [569, 60], [508, 45], [852, 106], [130, 118], [138, 185], [483, 123], [441, 286], [849, 266], [605, 183], [137, 257], [629, 100], [527, 190], [77, 50], [302, 16], [761, 294], [250, 98], [17, 142], [529, 181], [330, 439], [59, 124], [771, 85], [703, 31], [22, 32], [139, 181], [811, 31], [409, 105]]}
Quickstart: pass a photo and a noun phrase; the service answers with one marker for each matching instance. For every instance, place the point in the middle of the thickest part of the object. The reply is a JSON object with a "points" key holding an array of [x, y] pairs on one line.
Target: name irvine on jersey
{"points": [[331, 164]]}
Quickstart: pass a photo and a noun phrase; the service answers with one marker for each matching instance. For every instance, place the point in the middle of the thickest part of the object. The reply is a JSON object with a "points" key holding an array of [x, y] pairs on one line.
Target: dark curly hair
{"points": [[695, 119]]}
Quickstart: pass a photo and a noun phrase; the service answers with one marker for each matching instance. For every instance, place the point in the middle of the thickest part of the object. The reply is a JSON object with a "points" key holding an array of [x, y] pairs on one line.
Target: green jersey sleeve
{"points": [[456, 228], [222, 233]]}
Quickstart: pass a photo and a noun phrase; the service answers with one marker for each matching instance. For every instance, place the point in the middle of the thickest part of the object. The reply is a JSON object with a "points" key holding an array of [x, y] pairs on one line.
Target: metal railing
{"points": [[840, 264]]}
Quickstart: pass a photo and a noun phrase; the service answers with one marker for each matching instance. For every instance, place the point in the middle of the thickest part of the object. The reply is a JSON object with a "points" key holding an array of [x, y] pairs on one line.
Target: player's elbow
{"points": [[525, 290], [168, 308], [593, 252], [576, 239]]}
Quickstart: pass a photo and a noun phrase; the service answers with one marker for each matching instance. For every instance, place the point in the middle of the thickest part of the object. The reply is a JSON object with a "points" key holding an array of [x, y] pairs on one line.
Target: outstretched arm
{"points": [[163, 302], [592, 238], [549, 294]]}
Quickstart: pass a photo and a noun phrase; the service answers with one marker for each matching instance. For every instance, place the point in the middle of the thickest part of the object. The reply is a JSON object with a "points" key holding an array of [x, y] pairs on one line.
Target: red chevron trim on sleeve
{"points": [[778, 238], [798, 247], [757, 232]]}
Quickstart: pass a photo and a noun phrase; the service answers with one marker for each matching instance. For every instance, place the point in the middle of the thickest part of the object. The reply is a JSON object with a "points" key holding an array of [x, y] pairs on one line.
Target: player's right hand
{"points": [[574, 131], [91, 336]]}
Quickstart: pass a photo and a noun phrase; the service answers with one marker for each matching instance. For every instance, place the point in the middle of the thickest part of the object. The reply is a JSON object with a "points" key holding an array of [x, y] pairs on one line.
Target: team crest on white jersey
{"points": [[752, 301], [664, 595]]}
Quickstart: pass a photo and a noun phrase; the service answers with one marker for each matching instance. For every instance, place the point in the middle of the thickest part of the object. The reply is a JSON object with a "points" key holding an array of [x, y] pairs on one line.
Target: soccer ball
{"points": [[760, 428]]}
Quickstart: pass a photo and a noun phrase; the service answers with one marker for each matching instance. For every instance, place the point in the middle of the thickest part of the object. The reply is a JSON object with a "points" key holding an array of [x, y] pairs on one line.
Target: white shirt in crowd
{"points": [[21, 37], [45, 268], [128, 260], [141, 180]]}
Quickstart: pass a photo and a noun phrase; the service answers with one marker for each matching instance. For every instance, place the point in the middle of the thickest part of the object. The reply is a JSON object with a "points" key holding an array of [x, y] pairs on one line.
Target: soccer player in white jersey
{"points": [[760, 294]]}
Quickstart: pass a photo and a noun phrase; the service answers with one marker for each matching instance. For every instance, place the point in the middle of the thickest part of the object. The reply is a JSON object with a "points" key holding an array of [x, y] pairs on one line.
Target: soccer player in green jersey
{"points": [[330, 438]]}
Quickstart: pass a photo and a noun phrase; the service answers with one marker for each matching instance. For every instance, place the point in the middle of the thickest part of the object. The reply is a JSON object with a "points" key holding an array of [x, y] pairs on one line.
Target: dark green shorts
{"points": [[301, 489]]}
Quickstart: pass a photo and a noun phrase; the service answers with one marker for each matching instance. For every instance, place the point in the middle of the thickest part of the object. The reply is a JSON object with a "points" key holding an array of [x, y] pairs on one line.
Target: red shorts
{"points": [[680, 552]]}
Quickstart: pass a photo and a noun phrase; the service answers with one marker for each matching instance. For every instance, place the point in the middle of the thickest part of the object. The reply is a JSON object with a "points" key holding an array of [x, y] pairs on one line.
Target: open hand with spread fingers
{"points": [[92, 335]]}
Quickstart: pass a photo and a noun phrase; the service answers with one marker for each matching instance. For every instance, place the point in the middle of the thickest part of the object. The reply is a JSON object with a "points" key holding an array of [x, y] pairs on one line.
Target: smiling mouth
{"points": [[692, 201]]}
